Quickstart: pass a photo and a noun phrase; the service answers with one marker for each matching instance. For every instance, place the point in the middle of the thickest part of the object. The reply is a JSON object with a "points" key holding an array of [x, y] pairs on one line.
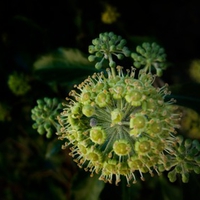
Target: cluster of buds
{"points": [[152, 56], [45, 114], [185, 159], [107, 46]]}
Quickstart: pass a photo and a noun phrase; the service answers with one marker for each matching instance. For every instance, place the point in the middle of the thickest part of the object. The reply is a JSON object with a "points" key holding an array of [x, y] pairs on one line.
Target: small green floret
{"points": [[121, 147], [97, 135]]}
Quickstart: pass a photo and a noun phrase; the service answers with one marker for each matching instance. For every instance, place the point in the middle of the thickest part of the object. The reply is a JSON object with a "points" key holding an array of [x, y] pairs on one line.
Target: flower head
{"points": [[119, 125]]}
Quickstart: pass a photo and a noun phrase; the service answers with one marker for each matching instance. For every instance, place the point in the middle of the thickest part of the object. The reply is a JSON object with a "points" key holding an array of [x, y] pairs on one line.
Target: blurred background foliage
{"points": [[43, 53]]}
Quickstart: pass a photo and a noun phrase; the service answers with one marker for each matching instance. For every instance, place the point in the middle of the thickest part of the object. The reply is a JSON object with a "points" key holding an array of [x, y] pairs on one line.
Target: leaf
{"points": [[164, 186], [53, 148], [87, 188], [63, 65]]}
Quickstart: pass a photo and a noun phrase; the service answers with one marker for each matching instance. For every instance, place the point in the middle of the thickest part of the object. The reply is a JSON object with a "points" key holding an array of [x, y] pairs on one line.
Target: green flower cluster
{"points": [[18, 83], [151, 56], [45, 114], [104, 47], [119, 125], [185, 159]]}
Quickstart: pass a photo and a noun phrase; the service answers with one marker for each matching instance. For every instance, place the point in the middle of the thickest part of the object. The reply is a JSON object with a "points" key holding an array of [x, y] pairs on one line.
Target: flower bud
{"points": [[88, 110]]}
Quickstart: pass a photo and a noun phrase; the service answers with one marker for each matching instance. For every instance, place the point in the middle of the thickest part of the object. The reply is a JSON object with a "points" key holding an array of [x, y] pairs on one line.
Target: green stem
{"points": [[125, 191], [55, 124], [113, 71]]}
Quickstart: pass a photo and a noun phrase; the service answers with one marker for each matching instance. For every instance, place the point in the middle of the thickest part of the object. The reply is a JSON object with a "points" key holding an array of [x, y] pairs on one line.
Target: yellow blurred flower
{"points": [[110, 14], [190, 123], [194, 70]]}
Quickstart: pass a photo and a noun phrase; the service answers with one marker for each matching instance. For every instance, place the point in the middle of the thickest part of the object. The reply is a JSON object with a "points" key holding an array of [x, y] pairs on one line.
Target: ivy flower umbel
{"points": [[45, 114], [151, 56], [185, 159], [119, 125], [105, 47]]}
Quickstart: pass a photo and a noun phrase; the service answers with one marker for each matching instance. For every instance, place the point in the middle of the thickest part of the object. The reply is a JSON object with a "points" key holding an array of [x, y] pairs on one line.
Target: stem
{"points": [[55, 124], [113, 71], [126, 195]]}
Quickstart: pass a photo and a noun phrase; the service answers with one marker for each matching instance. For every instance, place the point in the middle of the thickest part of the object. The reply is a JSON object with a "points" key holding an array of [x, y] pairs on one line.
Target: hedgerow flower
{"points": [[119, 124]]}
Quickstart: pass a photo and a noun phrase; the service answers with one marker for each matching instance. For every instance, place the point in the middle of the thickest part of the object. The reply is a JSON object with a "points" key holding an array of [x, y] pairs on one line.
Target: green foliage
{"points": [[87, 188], [55, 66]]}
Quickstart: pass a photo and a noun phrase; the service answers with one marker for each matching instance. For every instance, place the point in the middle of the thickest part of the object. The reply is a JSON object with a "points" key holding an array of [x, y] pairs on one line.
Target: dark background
{"points": [[30, 29], [36, 26]]}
